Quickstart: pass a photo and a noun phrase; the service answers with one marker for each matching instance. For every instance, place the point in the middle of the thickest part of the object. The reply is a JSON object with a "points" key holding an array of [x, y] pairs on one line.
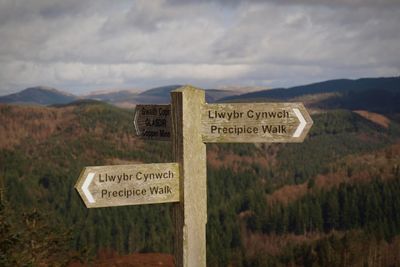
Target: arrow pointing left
{"points": [[85, 187], [120, 185]]}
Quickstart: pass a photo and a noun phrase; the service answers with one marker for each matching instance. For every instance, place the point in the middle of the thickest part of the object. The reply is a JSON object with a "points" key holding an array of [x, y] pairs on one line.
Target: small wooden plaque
{"points": [[153, 122]]}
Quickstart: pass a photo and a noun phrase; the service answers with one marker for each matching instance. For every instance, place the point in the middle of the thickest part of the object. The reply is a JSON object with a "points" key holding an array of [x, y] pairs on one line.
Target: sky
{"points": [[81, 46]]}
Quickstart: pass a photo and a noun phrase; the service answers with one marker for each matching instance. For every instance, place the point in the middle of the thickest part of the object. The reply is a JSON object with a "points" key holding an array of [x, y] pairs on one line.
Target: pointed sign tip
{"points": [[85, 187], [302, 124]]}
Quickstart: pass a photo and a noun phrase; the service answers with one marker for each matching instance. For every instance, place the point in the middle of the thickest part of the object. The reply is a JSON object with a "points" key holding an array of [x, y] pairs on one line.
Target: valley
{"points": [[329, 201]]}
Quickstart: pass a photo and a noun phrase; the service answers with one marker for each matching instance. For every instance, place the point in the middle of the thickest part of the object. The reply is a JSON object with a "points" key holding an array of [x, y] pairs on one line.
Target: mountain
{"points": [[213, 95], [130, 98], [375, 100], [330, 86], [373, 94], [39, 95], [45, 96], [239, 89], [158, 95]]}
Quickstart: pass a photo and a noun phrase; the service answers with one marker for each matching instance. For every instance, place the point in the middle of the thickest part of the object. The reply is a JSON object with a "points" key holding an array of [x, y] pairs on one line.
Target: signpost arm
{"points": [[190, 152]]}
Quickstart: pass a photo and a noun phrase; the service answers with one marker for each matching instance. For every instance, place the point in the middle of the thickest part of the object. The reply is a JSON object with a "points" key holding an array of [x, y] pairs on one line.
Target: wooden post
{"points": [[2, 190], [190, 152]]}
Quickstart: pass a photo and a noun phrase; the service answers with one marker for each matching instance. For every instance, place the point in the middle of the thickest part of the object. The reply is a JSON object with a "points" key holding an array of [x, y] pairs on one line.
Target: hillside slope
{"points": [[43, 150], [330, 86]]}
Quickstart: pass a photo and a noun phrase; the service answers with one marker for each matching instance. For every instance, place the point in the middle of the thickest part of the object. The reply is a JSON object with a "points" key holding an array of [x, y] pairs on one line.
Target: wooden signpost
{"points": [[189, 123]]}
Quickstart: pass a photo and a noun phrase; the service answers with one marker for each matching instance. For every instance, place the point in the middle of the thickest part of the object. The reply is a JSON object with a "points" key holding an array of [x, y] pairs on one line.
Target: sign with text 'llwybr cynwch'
{"points": [[153, 122], [119, 185], [255, 122]]}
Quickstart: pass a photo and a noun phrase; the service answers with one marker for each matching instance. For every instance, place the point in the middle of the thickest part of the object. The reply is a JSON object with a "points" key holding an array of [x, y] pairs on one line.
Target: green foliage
{"points": [[372, 207], [42, 174], [32, 239], [333, 136], [8, 238]]}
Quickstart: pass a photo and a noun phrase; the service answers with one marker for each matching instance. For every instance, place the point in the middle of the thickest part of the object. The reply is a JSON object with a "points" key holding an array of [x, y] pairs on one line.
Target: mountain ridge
{"points": [[41, 95], [328, 86], [46, 96], [337, 93]]}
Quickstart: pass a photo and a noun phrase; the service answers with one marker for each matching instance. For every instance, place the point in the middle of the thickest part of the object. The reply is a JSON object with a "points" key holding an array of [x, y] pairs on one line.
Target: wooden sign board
{"points": [[255, 122], [119, 185], [153, 122]]}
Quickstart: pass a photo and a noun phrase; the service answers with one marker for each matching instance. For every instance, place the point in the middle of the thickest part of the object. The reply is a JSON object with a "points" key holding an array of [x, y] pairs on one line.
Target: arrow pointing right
{"points": [[302, 124], [85, 187]]}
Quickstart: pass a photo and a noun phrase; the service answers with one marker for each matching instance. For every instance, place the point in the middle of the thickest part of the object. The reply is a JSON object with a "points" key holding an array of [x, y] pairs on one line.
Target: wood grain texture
{"points": [[153, 122], [130, 178], [216, 119], [190, 214]]}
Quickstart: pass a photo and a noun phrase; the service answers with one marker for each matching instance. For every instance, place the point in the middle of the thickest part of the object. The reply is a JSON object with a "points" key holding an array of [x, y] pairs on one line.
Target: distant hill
{"points": [[127, 98], [39, 95], [213, 95], [158, 95], [161, 95], [123, 98], [331, 86], [380, 100], [380, 95], [373, 94], [46, 96]]}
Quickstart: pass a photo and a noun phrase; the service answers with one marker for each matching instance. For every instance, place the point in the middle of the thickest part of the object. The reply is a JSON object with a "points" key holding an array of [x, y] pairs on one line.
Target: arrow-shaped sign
{"points": [[255, 122], [118, 185]]}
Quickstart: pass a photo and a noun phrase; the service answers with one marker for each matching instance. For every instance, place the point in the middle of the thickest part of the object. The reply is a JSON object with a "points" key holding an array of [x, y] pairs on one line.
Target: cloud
{"points": [[330, 3], [81, 45]]}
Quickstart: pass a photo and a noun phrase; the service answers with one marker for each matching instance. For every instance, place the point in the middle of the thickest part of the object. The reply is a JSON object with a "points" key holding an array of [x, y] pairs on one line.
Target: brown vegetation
{"points": [[374, 117], [221, 159], [36, 124], [117, 161], [273, 244], [357, 250], [351, 169], [108, 258], [311, 99], [18, 123]]}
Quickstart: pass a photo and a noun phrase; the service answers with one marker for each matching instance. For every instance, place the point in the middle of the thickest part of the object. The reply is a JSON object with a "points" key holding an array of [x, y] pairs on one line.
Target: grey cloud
{"points": [[330, 3], [141, 15], [23, 11], [348, 3], [99, 43]]}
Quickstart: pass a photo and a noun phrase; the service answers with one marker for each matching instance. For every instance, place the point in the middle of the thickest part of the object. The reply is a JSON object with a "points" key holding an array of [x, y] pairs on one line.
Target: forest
{"points": [[330, 201]]}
